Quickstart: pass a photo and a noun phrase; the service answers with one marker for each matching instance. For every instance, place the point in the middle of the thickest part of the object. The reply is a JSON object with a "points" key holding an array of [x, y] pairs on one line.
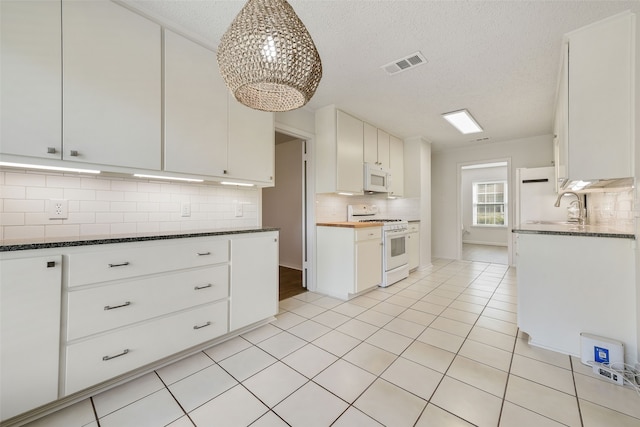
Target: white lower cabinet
{"points": [[254, 278], [349, 260], [414, 245], [29, 332]]}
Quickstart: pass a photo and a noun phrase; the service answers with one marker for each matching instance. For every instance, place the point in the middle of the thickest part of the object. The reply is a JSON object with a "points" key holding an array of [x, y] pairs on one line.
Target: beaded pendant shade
{"points": [[268, 59]]}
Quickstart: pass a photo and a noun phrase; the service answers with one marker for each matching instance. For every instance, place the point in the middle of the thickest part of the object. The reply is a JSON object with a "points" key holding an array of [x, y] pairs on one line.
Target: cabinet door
{"points": [[561, 127], [195, 109], [601, 100], [368, 264], [383, 149], [29, 333], [349, 153], [30, 81], [414, 250], [254, 278], [251, 149], [370, 144], [112, 88], [396, 163]]}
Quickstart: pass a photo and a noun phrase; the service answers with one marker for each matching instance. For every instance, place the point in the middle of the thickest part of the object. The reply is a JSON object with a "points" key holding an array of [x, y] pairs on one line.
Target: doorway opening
{"points": [[285, 206], [484, 212]]}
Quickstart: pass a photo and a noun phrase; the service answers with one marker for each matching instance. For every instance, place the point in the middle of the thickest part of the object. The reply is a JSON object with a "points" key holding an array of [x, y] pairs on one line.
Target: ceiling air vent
{"points": [[405, 63]]}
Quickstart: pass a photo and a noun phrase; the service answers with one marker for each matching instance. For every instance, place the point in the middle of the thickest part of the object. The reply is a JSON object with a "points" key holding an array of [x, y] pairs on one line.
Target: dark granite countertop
{"points": [[561, 229], [27, 244]]}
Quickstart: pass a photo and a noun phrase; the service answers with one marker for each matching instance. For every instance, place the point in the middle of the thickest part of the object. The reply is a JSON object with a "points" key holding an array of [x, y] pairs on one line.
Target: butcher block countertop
{"points": [[349, 224]]}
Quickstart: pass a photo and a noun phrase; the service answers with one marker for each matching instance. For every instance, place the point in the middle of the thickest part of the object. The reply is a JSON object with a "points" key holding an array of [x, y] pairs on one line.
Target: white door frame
{"points": [[308, 208], [510, 203]]}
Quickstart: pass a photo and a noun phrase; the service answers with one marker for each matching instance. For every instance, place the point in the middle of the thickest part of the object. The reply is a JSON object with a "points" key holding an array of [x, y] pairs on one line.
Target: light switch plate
{"points": [[185, 209], [238, 209]]}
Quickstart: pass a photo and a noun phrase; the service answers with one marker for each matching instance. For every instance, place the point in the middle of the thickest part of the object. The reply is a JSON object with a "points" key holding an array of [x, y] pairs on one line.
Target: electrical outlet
{"points": [[58, 209], [238, 209], [185, 210]]}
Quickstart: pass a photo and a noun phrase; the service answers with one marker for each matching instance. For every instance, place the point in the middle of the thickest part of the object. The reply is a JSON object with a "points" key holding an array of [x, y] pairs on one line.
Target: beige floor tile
{"points": [[336, 343], [495, 339], [413, 377], [78, 414], [412, 293], [404, 327], [331, 319], [613, 396], [428, 307], [327, 302], [281, 344], [246, 363], [364, 301], [389, 341], [118, 397], [353, 417], [308, 310], [228, 348], [479, 375], [261, 334], [497, 325], [467, 306], [309, 330], [441, 339], [598, 416], [357, 329], [416, 316], [495, 313], [460, 315], [402, 301], [478, 293], [349, 309], [377, 294], [185, 367], [525, 349], [237, 407], [390, 405], [543, 373], [388, 308], [201, 387], [274, 383], [311, 406], [309, 360], [345, 380], [501, 305], [269, 419], [435, 299], [486, 354], [467, 402], [545, 401], [427, 355], [291, 303], [451, 326], [370, 358], [157, 409], [180, 422], [514, 415], [434, 416], [473, 299], [376, 318], [308, 296]]}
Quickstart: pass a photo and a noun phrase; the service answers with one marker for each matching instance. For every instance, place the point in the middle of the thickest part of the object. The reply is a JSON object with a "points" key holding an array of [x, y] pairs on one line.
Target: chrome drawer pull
{"points": [[208, 285], [204, 253], [111, 307], [202, 326], [125, 351], [119, 265]]}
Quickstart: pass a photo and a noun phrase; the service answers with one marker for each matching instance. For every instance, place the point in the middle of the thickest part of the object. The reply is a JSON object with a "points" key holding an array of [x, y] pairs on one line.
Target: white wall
{"points": [[282, 204], [100, 205], [477, 234], [524, 153]]}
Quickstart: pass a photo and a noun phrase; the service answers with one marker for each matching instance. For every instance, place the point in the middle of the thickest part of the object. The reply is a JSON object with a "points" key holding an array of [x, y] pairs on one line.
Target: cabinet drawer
{"points": [[125, 262], [369, 233], [413, 227], [101, 358], [100, 309]]}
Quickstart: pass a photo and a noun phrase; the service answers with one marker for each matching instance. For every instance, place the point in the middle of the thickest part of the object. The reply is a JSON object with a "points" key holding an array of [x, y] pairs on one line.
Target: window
{"points": [[490, 203]]}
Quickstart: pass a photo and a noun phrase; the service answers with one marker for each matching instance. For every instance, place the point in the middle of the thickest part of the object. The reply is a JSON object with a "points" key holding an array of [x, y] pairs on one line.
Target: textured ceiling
{"points": [[498, 59]]}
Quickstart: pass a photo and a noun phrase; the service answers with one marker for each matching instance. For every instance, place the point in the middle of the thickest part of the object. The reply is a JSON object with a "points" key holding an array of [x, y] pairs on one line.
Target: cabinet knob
{"points": [[51, 150], [224, 171], [275, 240], [51, 264], [74, 153], [202, 326], [111, 307], [122, 264]]}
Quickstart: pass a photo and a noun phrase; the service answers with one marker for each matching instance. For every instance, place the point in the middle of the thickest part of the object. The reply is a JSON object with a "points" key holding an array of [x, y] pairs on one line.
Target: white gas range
{"points": [[395, 261]]}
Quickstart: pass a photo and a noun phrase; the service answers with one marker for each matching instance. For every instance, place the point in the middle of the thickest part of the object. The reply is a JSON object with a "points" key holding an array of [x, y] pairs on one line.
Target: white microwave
{"points": [[376, 179]]}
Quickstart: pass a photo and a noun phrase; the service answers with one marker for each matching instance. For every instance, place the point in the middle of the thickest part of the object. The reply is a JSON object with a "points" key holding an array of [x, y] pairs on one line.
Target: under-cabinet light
{"points": [[242, 184], [463, 121], [48, 168], [346, 194], [173, 178]]}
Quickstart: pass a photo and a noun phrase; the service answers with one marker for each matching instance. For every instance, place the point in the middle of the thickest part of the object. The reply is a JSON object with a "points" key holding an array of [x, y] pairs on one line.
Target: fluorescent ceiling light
{"points": [[242, 184], [462, 121], [48, 168], [174, 178]]}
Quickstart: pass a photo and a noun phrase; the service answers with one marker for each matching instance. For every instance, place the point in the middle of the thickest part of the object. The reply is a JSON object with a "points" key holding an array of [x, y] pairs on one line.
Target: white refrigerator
{"points": [[536, 195]]}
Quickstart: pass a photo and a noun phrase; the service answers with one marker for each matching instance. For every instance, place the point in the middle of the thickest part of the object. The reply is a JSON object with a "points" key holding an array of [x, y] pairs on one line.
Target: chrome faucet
{"points": [[581, 211]]}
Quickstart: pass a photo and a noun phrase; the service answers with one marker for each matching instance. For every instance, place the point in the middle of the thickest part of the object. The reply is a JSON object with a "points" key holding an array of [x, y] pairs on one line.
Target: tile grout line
{"points": [[174, 398], [575, 389], [95, 413]]}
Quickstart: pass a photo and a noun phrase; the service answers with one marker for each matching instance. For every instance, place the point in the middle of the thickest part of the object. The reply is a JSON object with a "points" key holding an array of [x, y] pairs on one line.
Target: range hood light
{"points": [[463, 121], [48, 168], [172, 178], [241, 184]]}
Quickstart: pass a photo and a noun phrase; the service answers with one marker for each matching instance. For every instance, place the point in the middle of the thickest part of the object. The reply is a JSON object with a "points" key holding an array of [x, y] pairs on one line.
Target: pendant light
{"points": [[268, 59]]}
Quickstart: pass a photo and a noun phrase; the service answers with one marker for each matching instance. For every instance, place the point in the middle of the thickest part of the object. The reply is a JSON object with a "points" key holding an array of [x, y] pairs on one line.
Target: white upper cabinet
{"points": [[376, 146], [111, 85], [560, 124], [195, 109], [251, 148], [396, 164], [30, 81], [601, 99], [383, 149]]}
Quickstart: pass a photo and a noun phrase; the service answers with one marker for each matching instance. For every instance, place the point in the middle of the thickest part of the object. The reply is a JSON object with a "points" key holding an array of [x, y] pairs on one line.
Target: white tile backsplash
{"points": [[110, 206], [333, 207], [612, 208]]}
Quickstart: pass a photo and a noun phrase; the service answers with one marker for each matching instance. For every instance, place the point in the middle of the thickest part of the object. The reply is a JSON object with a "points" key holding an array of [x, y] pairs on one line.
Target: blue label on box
{"points": [[601, 355]]}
